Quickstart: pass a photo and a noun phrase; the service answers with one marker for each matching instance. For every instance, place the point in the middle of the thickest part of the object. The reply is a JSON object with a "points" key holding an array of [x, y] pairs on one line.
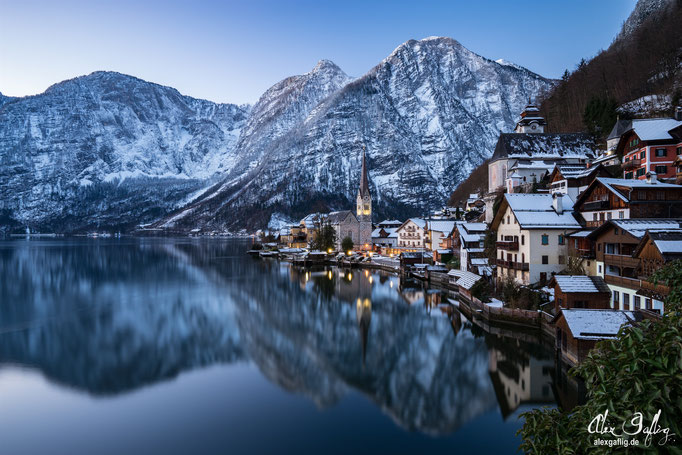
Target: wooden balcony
{"points": [[595, 205], [631, 165], [585, 253], [655, 289], [509, 245], [524, 266], [621, 261], [632, 283]]}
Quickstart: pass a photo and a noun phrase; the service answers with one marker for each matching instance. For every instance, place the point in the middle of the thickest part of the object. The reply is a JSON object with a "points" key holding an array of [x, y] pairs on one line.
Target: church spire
{"points": [[364, 181]]}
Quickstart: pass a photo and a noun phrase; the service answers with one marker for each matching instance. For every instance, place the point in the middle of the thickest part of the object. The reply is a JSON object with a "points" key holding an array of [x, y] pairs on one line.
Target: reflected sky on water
{"points": [[190, 346]]}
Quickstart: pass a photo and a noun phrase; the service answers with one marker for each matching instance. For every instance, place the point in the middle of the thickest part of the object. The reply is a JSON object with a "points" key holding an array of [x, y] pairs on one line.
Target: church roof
{"points": [[545, 146], [364, 181]]}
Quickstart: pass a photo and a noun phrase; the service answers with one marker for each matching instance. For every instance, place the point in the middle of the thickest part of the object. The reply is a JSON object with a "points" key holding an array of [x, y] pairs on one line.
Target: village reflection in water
{"points": [[108, 318]]}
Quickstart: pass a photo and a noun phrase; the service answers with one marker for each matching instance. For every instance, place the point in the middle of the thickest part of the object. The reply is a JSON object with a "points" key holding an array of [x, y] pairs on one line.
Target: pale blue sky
{"points": [[232, 51]]}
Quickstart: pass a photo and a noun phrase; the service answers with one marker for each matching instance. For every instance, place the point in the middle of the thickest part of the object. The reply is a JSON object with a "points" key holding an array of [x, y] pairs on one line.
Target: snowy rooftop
{"points": [[535, 211], [389, 231], [464, 279], [418, 221], [638, 227], [479, 261], [545, 145], [581, 283], [612, 185], [596, 324], [475, 227], [655, 129], [469, 237], [443, 226], [391, 222], [580, 234]]}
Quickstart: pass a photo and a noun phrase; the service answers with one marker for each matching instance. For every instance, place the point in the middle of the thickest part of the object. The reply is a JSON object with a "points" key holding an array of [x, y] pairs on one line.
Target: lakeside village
{"points": [[564, 241]]}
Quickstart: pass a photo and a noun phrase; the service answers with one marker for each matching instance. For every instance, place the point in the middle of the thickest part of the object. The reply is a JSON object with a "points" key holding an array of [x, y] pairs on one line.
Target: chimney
{"points": [[558, 203], [678, 113], [651, 177]]}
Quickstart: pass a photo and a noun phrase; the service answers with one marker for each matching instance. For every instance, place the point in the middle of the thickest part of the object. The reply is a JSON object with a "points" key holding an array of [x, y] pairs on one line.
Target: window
{"points": [[616, 297], [641, 195], [507, 219], [621, 214], [545, 239], [561, 239], [640, 172], [661, 152], [545, 259], [523, 257], [523, 240], [662, 169], [660, 195], [615, 231], [601, 216], [608, 216], [626, 300], [575, 244], [600, 269], [562, 259], [628, 175], [594, 217], [642, 155], [638, 302]]}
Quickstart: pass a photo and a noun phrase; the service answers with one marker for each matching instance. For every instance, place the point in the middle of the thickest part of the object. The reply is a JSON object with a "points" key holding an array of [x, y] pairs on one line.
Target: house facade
{"points": [[580, 291], [650, 145], [532, 232], [620, 199], [412, 235], [615, 245]]}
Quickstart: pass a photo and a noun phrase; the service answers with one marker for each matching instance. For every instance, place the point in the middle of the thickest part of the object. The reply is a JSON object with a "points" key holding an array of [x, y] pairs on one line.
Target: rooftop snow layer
{"points": [[596, 324], [580, 283], [655, 129]]}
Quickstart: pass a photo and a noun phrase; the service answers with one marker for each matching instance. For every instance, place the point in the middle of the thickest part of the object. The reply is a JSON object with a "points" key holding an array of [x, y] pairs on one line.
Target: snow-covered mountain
{"points": [[427, 115], [642, 11], [109, 149]]}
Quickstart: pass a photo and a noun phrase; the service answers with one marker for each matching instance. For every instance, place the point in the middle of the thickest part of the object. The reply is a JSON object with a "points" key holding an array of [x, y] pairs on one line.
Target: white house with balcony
{"points": [[412, 235], [532, 232]]}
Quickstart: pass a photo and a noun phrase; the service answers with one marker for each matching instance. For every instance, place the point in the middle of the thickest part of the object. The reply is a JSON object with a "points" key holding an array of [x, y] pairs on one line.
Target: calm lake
{"points": [[139, 346]]}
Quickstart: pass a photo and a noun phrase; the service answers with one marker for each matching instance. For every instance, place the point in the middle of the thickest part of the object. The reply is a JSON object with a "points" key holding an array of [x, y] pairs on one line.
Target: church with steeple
{"points": [[364, 209]]}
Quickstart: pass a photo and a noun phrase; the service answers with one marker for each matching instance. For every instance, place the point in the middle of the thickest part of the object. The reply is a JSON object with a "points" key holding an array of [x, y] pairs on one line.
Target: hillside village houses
{"points": [[553, 198]]}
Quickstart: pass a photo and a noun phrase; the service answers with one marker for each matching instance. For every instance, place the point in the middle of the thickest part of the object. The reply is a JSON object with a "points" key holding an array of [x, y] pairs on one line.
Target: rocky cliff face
{"points": [[643, 10], [427, 115], [107, 149]]}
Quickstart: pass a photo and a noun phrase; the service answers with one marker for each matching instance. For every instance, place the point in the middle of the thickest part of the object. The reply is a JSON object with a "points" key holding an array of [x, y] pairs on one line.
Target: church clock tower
{"points": [[364, 208]]}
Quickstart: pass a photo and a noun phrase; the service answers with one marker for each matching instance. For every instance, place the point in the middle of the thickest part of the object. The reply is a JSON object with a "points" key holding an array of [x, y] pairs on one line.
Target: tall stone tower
{"points": [[364, 209]]}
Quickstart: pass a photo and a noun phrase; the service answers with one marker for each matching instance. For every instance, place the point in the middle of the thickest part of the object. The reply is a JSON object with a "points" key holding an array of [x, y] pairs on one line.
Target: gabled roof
{"points": [[535, 211], [581, 284], [654, 129], [545, 145], [639, 226], [667, 242], [444, 226], [390, 223], [418, 221], [569, 172], [622, 187], [619, 128], [588, 324], [338, 217], [464, 279]]}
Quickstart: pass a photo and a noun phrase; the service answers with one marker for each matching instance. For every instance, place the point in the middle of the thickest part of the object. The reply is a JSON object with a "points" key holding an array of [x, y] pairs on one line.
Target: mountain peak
{"points": [[325, 65]]}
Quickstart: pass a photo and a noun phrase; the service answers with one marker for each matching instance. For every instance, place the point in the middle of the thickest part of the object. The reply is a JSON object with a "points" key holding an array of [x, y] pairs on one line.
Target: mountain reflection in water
{"points": [[108, 317]]}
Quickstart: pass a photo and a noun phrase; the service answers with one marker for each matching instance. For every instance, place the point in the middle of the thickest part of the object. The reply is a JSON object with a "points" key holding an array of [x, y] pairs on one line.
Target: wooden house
{"points": [[620, 199], [650, 145], [579, 330], [580, 291]]}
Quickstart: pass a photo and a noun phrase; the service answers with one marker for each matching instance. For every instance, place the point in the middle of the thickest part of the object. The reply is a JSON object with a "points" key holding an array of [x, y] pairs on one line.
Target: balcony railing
{"points": [[632, 283], [659, 289], [632, 164], [524, 266], [595, 205], [621, 261], [508, 245]]}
